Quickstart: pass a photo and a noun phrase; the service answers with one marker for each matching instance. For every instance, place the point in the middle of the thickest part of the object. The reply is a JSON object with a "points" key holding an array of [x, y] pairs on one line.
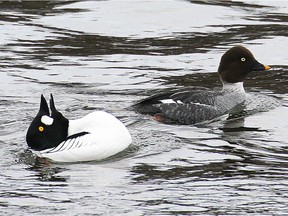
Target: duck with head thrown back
{"points": [[96, 136], [198, 106]]}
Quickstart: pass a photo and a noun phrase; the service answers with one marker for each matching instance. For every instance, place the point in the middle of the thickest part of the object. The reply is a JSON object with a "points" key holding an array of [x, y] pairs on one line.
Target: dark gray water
{"points": [[106, 55]]}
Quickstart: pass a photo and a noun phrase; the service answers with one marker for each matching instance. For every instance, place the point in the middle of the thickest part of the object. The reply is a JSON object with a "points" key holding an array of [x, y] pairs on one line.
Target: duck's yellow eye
{"points": [[41, 129], [243, 59]]}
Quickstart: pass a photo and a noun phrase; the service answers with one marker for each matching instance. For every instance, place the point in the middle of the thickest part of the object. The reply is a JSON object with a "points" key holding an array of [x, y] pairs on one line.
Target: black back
{"points": [[42, 136]]}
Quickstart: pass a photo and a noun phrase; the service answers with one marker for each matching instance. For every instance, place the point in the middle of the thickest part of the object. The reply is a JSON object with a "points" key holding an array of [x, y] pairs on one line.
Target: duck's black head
{"points": [[47, 131], [236, 63]]}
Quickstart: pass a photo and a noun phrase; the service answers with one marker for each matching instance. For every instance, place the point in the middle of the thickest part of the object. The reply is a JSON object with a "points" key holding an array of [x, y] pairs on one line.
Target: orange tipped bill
{"points": [[266, 67]]}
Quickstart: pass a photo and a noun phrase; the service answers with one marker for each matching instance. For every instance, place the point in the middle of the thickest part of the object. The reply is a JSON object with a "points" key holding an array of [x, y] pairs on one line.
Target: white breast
{"points": [[106, 136]]}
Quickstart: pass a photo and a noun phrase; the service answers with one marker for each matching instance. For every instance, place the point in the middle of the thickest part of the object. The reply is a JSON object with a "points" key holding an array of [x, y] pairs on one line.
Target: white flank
{"points": [[106, 136], [47, 120]]}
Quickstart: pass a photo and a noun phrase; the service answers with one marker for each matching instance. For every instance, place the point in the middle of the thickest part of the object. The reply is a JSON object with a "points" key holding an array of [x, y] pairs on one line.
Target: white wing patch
{"points": [[204, 105], [169, 101]]}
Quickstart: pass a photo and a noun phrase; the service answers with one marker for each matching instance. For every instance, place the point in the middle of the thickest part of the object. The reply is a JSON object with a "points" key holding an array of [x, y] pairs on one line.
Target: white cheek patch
{"points": [[47, 120]]}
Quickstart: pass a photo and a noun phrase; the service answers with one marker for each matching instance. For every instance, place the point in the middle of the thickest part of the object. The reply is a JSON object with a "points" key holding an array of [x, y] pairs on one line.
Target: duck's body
{"points": [[96, 136], [193, 106], [197, 106]]}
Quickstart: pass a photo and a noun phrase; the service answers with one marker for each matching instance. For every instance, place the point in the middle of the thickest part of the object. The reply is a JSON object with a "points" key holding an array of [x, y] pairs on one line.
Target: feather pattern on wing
{"points": [[192, 106]]}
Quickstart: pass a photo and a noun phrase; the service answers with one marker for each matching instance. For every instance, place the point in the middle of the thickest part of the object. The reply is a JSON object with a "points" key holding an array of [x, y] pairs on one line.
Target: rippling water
{"points": [[106, 55]]}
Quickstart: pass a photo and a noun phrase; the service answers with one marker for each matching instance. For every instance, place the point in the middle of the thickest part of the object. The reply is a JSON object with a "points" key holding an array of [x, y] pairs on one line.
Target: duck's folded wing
{"points": [[190, 113], [72, 142], [196, 96], [85, 146], [191, 96]]}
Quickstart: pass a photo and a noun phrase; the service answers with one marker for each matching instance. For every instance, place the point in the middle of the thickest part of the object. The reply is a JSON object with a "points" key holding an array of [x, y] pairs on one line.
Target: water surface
{"points": [[107, 55]]}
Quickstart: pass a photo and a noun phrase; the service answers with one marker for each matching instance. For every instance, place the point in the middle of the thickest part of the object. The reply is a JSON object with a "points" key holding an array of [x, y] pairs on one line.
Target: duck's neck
{"points": [[233, 87]]}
